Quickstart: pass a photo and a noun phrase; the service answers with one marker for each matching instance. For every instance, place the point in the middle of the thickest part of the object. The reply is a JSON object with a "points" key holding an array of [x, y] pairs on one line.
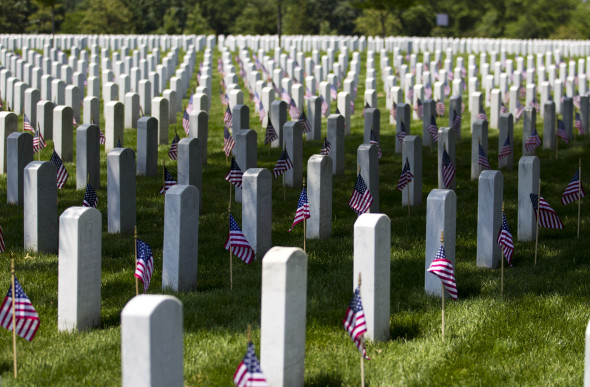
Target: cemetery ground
{"points": [[532, 335]]}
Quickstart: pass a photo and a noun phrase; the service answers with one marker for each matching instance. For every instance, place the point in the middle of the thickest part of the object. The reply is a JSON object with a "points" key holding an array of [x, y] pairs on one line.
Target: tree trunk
{"points": [[382, 18], [53, 23], [279, 21]]}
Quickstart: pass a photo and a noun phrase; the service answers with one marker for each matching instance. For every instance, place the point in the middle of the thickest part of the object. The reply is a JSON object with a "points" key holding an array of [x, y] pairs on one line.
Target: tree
{"points": [[107, 17], [50, 4], [383, 8], [14, 15]]}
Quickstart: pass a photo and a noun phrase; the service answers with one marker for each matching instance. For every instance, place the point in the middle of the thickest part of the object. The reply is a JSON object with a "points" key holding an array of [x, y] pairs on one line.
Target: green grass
{"points": [[533, 335]]}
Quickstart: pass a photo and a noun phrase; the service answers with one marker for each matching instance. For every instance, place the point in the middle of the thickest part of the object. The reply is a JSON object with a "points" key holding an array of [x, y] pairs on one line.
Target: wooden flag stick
{"points": [[537, 213], [362, 346], [231, 279], [579, 192], [502, 263], [13, 314], [408, 189], [556, 146], [39, 134], [284, 147], [135, 263], [442, 295], [249, 334], [304, 230]]}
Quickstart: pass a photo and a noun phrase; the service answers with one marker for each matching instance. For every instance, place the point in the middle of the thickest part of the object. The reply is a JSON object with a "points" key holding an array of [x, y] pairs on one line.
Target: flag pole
{"points": [[556, 146], [362, 345], [249, 334], [231, 279], [537, 213], [579, 192], [502, 260], [39, 134], [304, 229], [136, 279], [442, 294], [284, 198], [13, 314], [408, 189]]}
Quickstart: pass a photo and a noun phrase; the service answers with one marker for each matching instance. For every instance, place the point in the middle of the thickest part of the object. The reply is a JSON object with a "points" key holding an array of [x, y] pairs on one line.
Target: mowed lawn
{"points": [[533, 335]]}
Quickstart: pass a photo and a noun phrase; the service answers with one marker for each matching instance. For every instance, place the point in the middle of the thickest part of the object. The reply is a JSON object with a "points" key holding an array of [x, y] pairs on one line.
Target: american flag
{"points": [[333, 93], [483, 158], [561, 133], [283, 164], [74, 123], [448, 169], [354, 322], [534, 103], [533, 141], [186, 122], [144, 266], [261, 111], [547, 216], [234, 175], [482, 114], [433, 129], [440, 108], [2, 244], [324, 106], [402, 133], [227, 117], [457, 122], [576, 99], [447, 88], [373, 141], [506, 149], [304, 122], [427, 91], [62, 173], [27, 319], [101, 137], [361, 198], [90, 198], [168, 182], [503, 108], [406, 176], [326, 147], [519, 111], [578, 124], [571, 191], [228, 142], [443, 269], [393, 110], [189, 107], [352, 106], [173, 151], [505, 240], [237, 242], [271, 133], [249, 373], [27, 124], [38, 142], [419, 108], [293, 110], [285, 95], [302, 212]]}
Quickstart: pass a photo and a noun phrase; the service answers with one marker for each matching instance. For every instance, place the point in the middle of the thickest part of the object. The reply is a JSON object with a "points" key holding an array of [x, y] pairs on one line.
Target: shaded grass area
{"points": [[533, 335]]}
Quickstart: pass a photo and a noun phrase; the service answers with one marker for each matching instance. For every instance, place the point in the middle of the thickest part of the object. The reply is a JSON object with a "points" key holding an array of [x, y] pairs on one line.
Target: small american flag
{"points": [[393, 110], [283, 164], [90, 198], [482, 114], [456, 122], [186, 122], [373, 141], [561, 133], [144, 266], [506, 149], [293, 110], [505, 240], [62, 173], [533, 141], [402, 133], [189, 107], [519, 111], [574, 190], [503, 108], [447, 88], [578, 124], [433, 129], [234, 175], [304, 122], [261, 111], [271, 134], [547, 216], [406, 176], [27, 124], [443, 269], [324, 106], [534, 103], [228, 142], [302, 212], [168, 182], [101, 137], [237, 242], [249, 373], [354, 322], [483, 158], [419, 108], [440, 108], [361, 198], [576, 99], [285, 95], [326, 147], [333, 93], [173, 151], [38, 142], [427, 91], [227, 117], [448, 169], [27, 319], [2, 244], [74, 123], [352, 106]]}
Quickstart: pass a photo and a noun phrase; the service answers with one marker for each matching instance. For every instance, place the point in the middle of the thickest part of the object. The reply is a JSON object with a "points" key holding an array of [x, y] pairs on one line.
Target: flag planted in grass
{"points": [[90, 198], [443, 269], [302, 211], [574, 190], [227, 117], [533, 141], [144, 266], [326, 147], [228, 142], [373, 141], [506, 149], [62, 172], [325, 106], [283, 164], [419, 108], [578, 124], [27, 319], [482, 114], [305, 125], [237, 242], [234, 175], [402, 133], [168, 181], [354, 322], [249, 373], [561, 133], [440, 108], [457, 122], [448, 169], [173, 151], [505, 240], [393, 110], [38, 142], [406, 176], [27, 124], [293, 110], [483, 158], [186, 122], [271, 134], [433, 129], [361, 198], [548, 218]]}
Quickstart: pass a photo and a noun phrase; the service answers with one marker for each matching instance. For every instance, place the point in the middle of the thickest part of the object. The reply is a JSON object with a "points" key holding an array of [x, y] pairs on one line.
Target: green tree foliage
{"points": [[256, 17], [196, 23], [107, 17], [14, 15]]}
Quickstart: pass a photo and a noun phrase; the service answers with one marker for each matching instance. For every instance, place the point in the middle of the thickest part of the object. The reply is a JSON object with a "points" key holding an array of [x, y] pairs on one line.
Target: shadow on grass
{"points": [[324, 380], [407, 330]]}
